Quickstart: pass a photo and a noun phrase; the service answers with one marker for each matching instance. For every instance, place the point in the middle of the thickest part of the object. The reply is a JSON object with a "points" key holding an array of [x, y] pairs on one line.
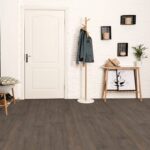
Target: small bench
{"points": [[3, 91]]}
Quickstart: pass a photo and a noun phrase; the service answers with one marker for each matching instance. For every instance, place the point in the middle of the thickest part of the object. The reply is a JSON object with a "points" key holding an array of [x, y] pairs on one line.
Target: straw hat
{"points": [[112, 63]]}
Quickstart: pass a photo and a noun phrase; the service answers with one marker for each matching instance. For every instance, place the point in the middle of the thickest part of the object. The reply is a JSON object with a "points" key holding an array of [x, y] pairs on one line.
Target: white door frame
{"points": [[22, 46]]}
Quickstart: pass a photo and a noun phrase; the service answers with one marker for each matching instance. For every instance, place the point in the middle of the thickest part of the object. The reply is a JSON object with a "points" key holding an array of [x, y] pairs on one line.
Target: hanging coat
{"points": [[85, 48]]}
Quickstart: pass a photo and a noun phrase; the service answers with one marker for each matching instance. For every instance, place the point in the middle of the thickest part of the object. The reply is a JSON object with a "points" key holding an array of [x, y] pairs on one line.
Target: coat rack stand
{"points": [[85, 99]]}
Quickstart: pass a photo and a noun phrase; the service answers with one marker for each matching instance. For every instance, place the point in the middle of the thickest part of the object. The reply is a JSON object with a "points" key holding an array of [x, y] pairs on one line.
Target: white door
{"points": [[44, 54]]}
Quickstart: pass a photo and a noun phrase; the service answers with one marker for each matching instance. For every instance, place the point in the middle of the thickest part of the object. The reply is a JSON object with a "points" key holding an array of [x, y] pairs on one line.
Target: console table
{"points": [[136, 76]]}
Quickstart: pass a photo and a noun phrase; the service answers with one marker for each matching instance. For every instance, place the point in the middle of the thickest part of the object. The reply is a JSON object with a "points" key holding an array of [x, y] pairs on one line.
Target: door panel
{"points": [[44, 43]]}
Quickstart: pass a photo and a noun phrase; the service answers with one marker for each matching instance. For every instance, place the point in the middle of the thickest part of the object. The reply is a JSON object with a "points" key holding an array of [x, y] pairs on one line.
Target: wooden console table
{"points": [[136, 76]]}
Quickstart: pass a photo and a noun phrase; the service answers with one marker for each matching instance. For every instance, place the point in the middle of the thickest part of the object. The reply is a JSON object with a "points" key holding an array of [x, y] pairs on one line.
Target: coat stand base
{"points": [[85, 101]]}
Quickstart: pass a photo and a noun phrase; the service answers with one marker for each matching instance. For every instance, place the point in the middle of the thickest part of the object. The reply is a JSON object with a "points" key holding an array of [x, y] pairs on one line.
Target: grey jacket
{"points": [[85, 48]]}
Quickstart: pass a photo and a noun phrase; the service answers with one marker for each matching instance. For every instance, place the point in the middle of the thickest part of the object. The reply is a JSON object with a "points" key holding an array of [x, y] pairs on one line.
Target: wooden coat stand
{"points": [[85, 100]]}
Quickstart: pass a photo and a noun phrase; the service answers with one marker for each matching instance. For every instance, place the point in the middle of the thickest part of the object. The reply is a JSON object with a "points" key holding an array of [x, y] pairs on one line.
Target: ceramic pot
{"points": [[138, 63]]}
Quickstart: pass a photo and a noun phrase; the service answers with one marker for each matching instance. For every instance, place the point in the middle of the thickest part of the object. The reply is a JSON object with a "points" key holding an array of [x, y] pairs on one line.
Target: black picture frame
{"points": [[106, 33], [128, 20], [122, 49]]}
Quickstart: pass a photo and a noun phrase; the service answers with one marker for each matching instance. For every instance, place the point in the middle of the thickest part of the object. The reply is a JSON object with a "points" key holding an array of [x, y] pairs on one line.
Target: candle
{"points": [[106, 35], [128, 20], [122, 53]]}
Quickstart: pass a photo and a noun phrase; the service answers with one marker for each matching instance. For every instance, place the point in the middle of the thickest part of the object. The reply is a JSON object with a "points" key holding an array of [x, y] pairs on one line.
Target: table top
{"points": [[120, 68]]}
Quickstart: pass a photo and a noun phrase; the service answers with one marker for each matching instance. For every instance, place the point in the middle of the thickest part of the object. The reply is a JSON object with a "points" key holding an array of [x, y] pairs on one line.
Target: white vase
{"points": [[138, 63]]}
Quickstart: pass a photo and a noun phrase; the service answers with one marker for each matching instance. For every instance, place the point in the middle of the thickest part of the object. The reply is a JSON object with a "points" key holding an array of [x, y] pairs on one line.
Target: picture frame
{"points": [[121, 80]]}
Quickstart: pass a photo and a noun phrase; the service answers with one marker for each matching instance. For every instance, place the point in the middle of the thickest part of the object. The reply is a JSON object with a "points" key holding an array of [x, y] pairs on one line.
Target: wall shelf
{"points": [[128, 19], [105, 32], [122, 49]]}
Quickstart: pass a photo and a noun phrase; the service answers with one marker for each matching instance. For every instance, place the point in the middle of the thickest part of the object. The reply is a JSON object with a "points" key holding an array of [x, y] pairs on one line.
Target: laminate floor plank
{"points": [[68, 125], [128, 121]]}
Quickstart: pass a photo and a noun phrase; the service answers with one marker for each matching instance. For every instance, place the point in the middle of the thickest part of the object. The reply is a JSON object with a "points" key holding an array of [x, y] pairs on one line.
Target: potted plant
{"points": [[139, 53]]}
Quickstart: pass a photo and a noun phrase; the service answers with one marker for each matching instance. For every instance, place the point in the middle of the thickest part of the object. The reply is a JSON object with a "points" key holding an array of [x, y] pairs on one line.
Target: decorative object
{"points": [[8, 81], [122, 79], [115, 62], [106, 32], [139, 53], [112, 62], [138, 63], [122, 49], [128, 19]]}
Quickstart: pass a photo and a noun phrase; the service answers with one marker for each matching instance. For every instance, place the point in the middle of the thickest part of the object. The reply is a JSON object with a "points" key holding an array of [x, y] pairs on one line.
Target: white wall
{"points": [[101, 12], [9, 42], [1, 6]]}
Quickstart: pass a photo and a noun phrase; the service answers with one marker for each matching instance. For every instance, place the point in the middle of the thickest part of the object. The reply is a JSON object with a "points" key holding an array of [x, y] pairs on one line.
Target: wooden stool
{"points": [[4, 103], [136, 76]]}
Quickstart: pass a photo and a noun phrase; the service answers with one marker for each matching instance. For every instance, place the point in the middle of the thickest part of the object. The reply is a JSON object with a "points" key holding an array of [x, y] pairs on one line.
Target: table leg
{"points": [[103, 88], [139, 83], [5, 105], [106, 81], [14, 100], [136, 82]]}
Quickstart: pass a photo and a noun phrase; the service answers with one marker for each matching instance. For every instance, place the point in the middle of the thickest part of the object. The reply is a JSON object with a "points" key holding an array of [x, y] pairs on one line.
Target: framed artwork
{"points": [[121, 80]]}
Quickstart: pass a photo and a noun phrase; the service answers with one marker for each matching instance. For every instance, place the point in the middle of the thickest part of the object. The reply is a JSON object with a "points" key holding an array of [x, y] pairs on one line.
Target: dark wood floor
{"points": [[68, 125]]}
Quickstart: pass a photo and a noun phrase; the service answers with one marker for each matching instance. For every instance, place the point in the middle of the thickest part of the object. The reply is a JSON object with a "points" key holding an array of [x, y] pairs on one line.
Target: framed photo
{"points": [[121, 80]]}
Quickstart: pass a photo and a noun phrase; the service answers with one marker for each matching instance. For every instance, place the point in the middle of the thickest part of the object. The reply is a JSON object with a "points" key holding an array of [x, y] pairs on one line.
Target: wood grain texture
{"points": [[120, 68], [138, 89], [68, 125]]}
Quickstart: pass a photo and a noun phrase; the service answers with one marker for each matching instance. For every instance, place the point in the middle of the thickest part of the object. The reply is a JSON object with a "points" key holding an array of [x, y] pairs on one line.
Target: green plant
{"points": [[139, 52]]}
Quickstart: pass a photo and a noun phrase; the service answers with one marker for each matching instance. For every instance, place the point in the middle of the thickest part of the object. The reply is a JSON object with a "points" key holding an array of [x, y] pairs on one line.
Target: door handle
{"points": [[27, 57]]}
